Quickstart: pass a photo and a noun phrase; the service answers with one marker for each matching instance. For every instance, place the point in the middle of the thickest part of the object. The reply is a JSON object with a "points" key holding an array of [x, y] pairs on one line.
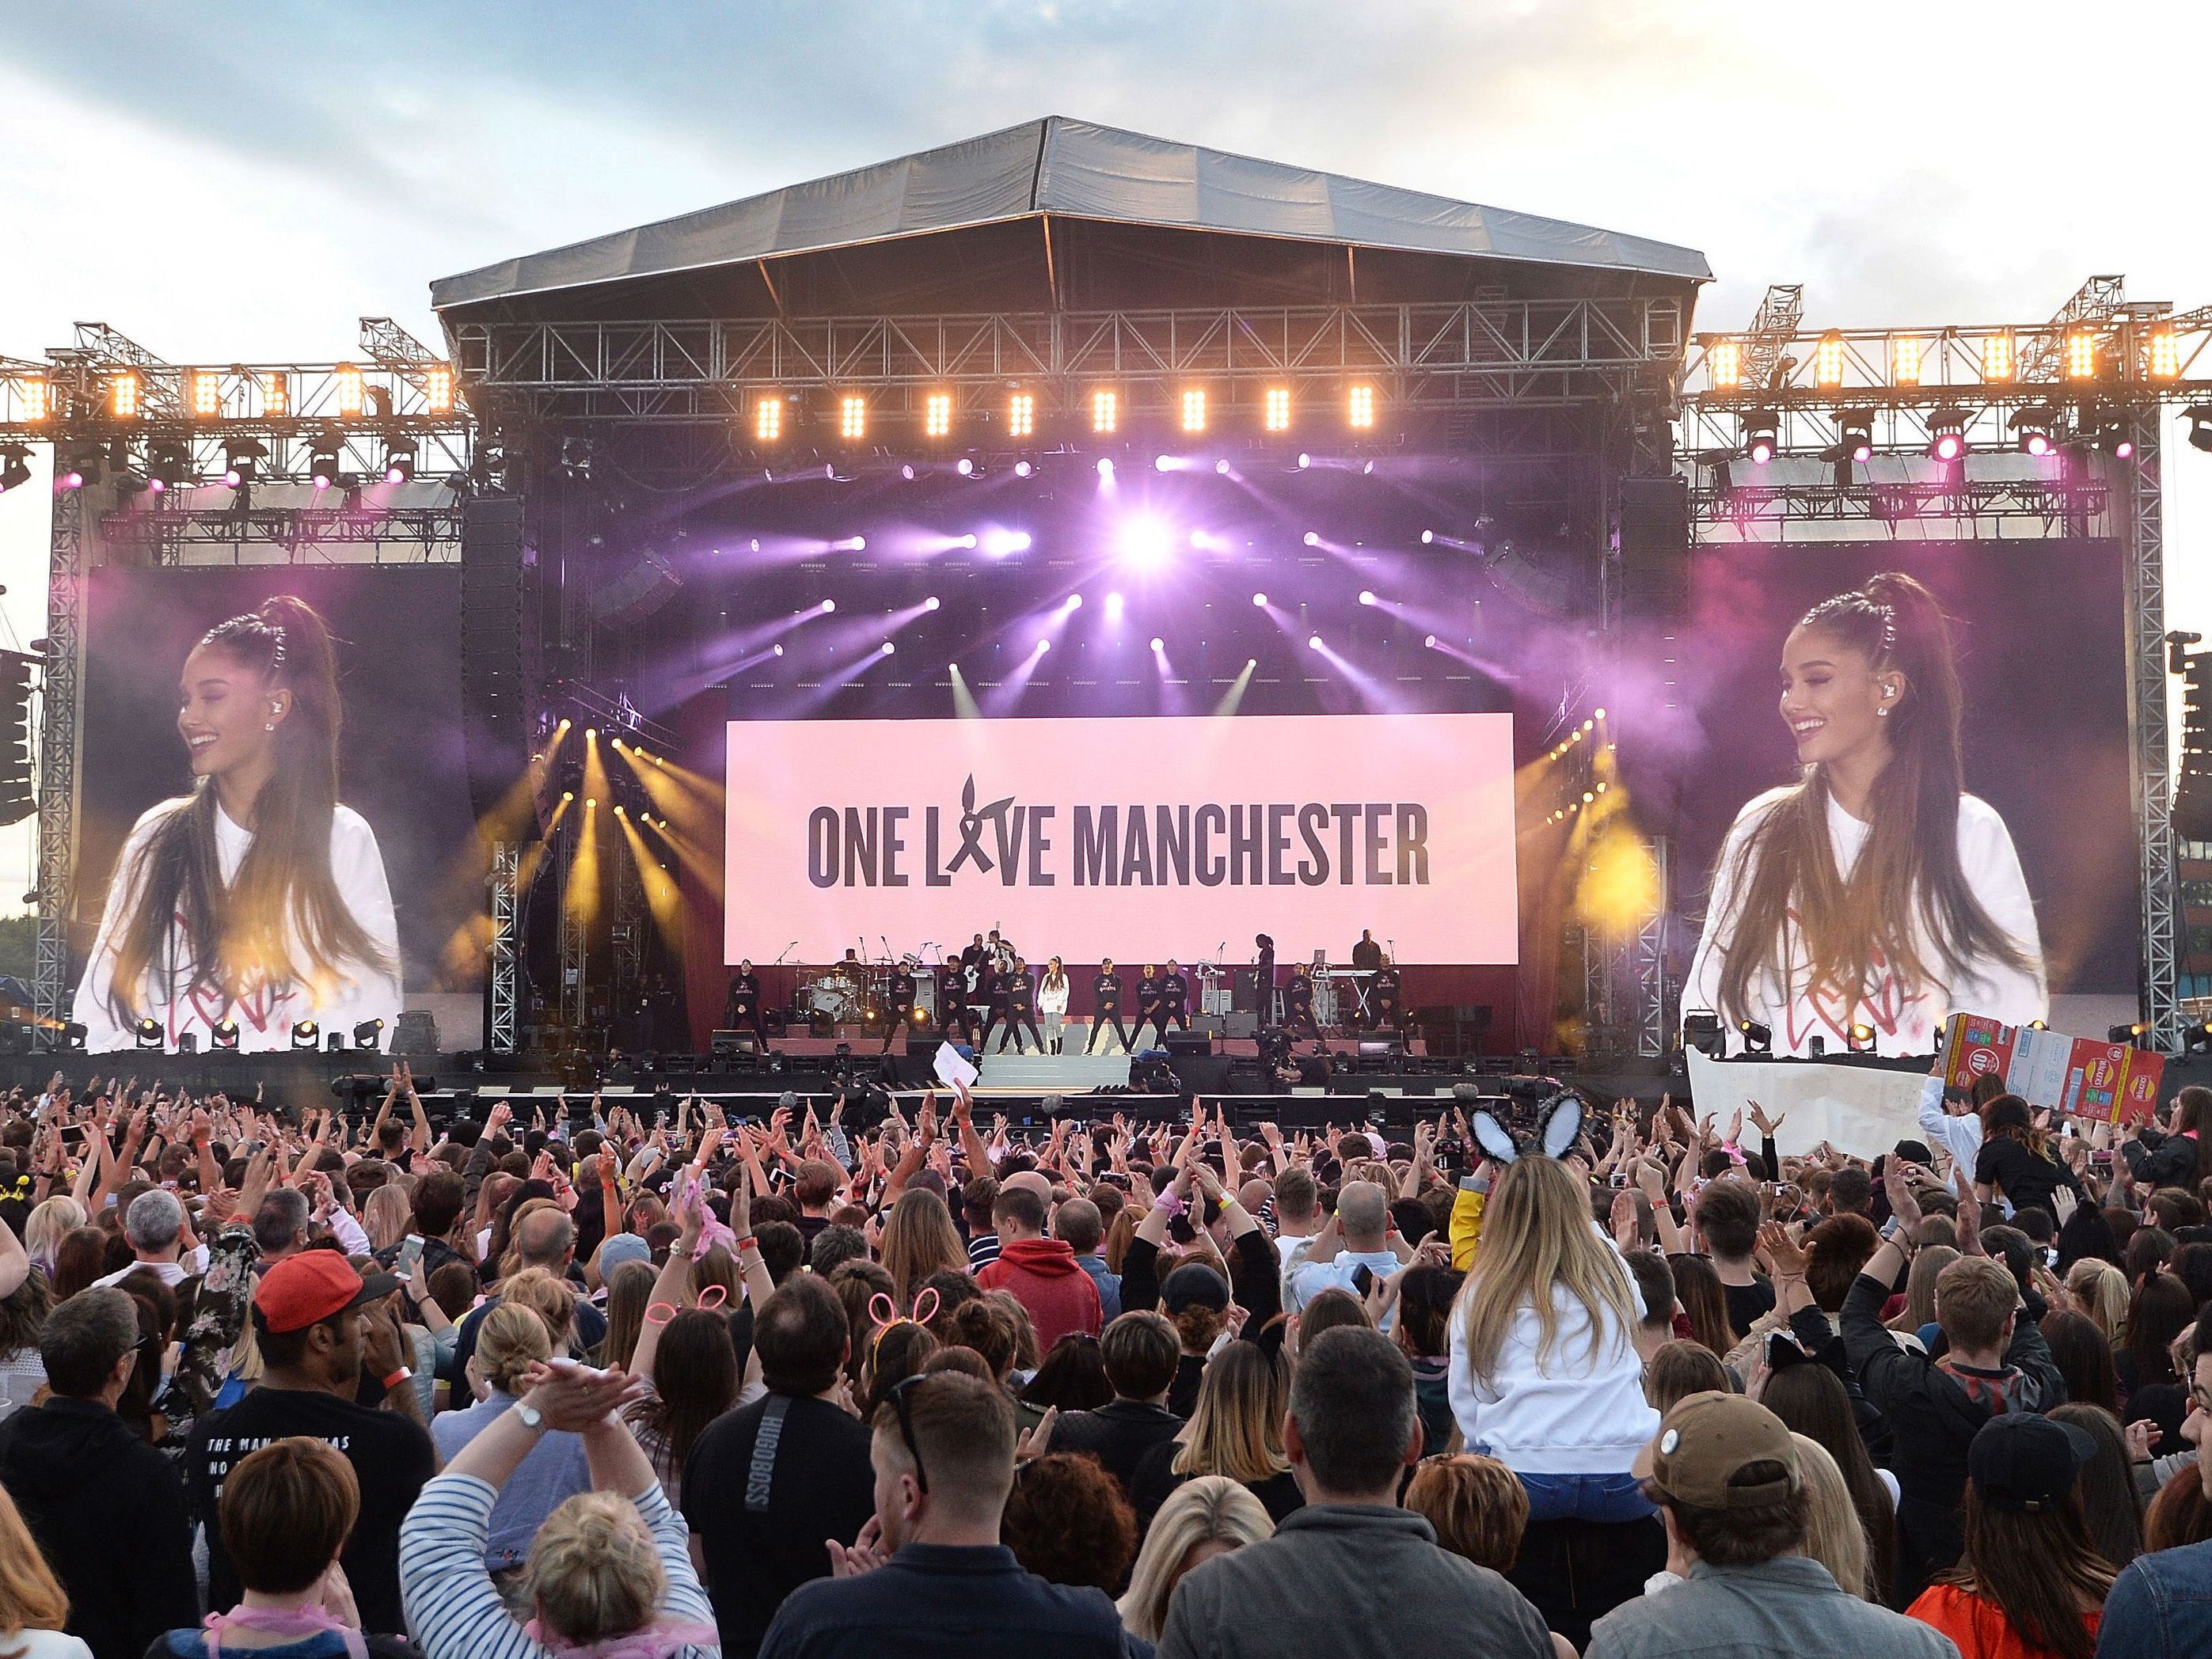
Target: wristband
{"points": [[403, 1374]]}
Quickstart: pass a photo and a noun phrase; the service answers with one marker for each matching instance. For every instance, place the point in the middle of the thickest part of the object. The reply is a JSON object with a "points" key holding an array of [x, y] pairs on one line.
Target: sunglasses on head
{"points": [[898, 1399]]}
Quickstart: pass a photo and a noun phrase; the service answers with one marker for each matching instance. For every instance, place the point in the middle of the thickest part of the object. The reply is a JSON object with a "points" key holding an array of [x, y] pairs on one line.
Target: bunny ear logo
{"points": [[972, 824]]}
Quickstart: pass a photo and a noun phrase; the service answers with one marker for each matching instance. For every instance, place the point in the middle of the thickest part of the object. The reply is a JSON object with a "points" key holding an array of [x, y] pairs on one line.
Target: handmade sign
{"points": [[2115, 1081]]}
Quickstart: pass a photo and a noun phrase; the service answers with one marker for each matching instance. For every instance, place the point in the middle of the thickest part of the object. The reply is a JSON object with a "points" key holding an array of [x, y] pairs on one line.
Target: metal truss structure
{"points": [[418, 535], [1416, 358], [2097, 381], [505, 881], [62, 706]]}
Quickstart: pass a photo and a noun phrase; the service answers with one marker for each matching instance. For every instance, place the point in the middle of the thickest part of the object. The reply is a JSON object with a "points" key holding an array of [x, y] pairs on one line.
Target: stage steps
{"points": [[1034, 1073]]}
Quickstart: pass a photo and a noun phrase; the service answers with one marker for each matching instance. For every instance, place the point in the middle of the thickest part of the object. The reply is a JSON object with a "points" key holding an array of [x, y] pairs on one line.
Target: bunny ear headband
{"points": [[1559, 1124]]}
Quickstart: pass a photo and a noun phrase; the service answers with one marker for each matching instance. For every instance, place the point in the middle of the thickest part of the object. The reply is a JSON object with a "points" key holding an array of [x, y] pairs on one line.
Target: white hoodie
{"points": [[1582, 1412]]}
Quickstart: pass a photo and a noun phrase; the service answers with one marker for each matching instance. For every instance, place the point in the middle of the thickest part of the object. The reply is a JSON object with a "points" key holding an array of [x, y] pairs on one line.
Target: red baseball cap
{"points": [[305, 1289]]}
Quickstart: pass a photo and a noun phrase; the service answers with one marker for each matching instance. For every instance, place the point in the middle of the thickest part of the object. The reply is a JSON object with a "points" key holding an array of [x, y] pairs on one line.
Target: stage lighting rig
{"points": [[2199, 417], [242, 461], [168, 465], [2032, 429], [323, 459], [1761, 428], [1854, 437], [1947, 433], [1758, 1038], [14, 466], [303, 1033], [225, 1038], [398, 459], [2128, 1034], [147, 1035]]}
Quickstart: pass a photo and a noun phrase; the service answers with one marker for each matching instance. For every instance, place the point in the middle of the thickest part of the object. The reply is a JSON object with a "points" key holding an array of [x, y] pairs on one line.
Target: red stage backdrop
{"points": [[1128, 838]]}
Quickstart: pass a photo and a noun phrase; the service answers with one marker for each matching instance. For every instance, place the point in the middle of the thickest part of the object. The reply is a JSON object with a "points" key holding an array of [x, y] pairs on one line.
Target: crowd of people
{"points": [[1618, 1385]]}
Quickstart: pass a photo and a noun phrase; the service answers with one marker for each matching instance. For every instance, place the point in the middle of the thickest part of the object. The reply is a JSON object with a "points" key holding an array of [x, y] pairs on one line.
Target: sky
{"points": [[243, 182]]}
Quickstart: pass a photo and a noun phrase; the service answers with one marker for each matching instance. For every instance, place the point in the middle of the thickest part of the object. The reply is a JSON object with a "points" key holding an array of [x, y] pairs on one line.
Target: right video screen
{"points": [[1904, 787]]}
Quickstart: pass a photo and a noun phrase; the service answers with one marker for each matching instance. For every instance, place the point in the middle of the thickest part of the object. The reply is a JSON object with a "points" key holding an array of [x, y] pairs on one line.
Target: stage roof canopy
{"points": [[1064, 214]]}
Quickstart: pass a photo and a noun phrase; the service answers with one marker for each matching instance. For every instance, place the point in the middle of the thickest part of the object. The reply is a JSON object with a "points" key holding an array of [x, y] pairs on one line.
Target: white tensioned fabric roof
{"points": [[1077, 169]]}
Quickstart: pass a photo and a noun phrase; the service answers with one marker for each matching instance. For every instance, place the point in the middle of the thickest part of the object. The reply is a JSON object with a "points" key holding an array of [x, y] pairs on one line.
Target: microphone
{"points": [[786, 951]]}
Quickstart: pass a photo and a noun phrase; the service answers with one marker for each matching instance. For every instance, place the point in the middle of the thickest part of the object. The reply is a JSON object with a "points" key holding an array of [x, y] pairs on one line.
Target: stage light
{"points": [[1598, 713], [123, 394], [2080, 355], [35, 398], [1367, 596], [398, 459], [1312, 538], [1428, 538], [1854, 437], [590, 734], [242, 461], [147, 1034], [1304, 460], [779, 651], [438, 389], [1360, 408], [563, 726], [2199, 417], [14, 467], [967, 543], [369, 1034], [1313, 642], [276, 392], [1023, 469], [1165, 464], [852, 418], [890, 650], [1105, 415], [2164, 358], [1072, 604], [1145, 543], [768, 423], [1276, 415], [2032, 430], [1758, 1038], [1105, 467], [591, 803], [224, 1040], [1259, 600], [1021, 415], [1043, 646], [1113, 607], [2126, 1033], [1828, 359], [1430, 640], [1997, 357], [905, 471], [1761, 426], [966, 468], [1724, 364], [568, 794], [930, 603], [323, 459], [1193, 409], [827, 606], [346, 389], [1158, 644], [1222, 467], [1905, 362], [1860, 1037], [937, 415], [303, 1033], [207, 394], [1946, 435]]}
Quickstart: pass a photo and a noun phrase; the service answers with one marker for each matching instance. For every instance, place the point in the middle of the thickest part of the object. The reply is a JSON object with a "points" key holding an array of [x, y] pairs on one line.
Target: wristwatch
{"points": [[530, 1417]]}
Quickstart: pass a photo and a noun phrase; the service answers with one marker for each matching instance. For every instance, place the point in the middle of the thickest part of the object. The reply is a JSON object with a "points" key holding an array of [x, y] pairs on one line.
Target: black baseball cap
{"points": [[2021, 1461], [1193, 1284]]}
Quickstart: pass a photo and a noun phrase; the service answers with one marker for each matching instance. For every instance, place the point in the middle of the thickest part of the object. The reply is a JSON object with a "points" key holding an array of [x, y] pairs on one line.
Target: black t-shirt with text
{"points": [[744, 992], [1148, 991], [1106, 990], [392, 1458], [1299, 992], [1175, 990], [1021, 993]]}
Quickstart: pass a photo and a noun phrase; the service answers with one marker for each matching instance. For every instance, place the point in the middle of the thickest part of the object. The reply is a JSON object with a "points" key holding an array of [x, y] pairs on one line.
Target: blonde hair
{"points": [[1236, 1427], [2096, 1285], [1211, 1509], [546, 1296], [1536, 1235], [1920, 1286], [43, 1232], [388, 1217], [1834, 1534], [512, 1339], [31, 1597], [918, 1240], [593, 1570]]}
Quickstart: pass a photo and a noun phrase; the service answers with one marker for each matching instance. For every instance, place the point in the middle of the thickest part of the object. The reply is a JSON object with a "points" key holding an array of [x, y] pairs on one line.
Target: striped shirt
{"points": [[982, 1251], [454, 1613]]}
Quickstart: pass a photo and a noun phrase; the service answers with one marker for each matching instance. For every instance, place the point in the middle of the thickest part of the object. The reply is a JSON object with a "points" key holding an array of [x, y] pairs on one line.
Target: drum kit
{"points": [[856, 991]]}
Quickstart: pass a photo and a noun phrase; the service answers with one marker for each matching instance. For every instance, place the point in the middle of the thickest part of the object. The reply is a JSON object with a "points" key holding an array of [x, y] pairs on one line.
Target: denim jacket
{"points": [[2160, 1607]]}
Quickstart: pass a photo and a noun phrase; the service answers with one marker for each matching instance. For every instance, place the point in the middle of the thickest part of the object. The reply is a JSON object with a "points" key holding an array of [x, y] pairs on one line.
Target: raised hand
{"points": [[865, 1555]]}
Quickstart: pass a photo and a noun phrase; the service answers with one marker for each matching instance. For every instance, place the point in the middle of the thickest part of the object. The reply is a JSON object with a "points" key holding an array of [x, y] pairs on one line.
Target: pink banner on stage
{"points": [[1134, 838]]}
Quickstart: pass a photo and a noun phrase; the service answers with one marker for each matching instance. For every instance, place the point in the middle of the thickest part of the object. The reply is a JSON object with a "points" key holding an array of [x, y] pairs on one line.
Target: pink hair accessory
{"points": [[655, 1641]]}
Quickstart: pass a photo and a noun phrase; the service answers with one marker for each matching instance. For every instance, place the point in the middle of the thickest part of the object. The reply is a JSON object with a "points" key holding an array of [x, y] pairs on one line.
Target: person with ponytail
{"points": [[257, 897], [1874, 890]]}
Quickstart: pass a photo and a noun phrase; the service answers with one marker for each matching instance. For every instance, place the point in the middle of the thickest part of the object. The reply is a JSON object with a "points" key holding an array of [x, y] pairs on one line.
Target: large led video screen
{"points": [[2030, 893], [1127, 836], [274, 818]]}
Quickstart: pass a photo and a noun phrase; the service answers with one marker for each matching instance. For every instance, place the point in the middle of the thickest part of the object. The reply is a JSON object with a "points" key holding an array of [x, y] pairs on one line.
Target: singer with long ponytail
{"points": [[257, 898], [1875, 890]]}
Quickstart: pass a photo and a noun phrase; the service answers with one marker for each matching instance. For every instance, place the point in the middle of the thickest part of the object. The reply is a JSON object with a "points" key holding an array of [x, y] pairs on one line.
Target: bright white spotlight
{"points": [[1003, 542], [1113, 607], [1158, 644], [779, 651], [889, 648], [1165, 463], [930, 603], [1366, 596], [1251, 662], [850, 545], [906, 472], [1313, 538], [1023, 469], [967, 467], [968, 542], [1072, 602], [1145, 543], [1105, 466], [1304, 461], [1043, 646], [1431, 641], [828, 605], [1259, 600], [1427, 537], [1313, 642], [1222, 467]]}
